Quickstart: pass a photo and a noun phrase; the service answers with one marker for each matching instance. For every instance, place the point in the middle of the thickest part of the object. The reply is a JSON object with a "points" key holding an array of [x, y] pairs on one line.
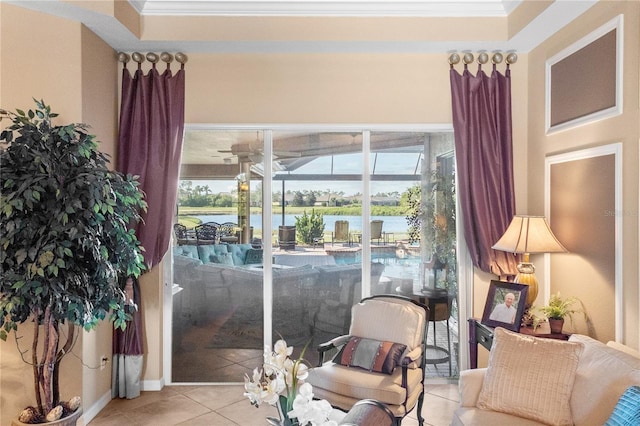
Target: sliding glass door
{"points": [[334, 216]]}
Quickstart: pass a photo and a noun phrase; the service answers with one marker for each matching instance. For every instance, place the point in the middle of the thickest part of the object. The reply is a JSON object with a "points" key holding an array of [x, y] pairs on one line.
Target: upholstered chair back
{"points": [[403, 322]]}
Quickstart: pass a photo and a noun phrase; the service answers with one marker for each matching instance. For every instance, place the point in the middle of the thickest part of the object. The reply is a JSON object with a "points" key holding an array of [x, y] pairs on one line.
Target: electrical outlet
{"points": [[103, 362]]}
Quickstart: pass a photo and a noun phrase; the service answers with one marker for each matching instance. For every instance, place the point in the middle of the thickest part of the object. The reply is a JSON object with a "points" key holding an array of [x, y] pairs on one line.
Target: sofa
{"points": [[302, 284], [533, 381], [198, 269]]}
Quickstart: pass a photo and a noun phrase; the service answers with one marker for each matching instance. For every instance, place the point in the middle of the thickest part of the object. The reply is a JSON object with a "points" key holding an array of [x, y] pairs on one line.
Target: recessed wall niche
{"points": [[584, 81]]}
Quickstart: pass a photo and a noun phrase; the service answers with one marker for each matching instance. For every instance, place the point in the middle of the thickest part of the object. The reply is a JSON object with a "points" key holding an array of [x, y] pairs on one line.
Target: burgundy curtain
{"points": [[127, 346], [484, 156], [150, 146]]}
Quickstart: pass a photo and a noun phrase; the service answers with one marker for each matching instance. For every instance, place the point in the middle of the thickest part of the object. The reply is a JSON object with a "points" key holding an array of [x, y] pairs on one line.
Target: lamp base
{"points": [[526, 275]]}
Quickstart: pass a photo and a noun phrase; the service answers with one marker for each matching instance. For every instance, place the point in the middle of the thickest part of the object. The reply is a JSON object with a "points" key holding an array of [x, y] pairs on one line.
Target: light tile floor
{"points": [[224, 405]]}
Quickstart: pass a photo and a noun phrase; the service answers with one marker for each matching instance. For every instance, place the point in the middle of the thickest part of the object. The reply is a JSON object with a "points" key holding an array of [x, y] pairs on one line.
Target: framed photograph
{"points": [[505, 305]]}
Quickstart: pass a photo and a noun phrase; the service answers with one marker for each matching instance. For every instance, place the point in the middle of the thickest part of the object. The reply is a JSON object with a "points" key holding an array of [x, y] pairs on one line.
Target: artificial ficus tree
{"points": [[66, 236]]}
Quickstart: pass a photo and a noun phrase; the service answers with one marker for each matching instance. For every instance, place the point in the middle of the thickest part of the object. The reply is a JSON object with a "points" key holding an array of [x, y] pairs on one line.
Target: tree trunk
{"points": [[68, 345], [48, 360], [35, 365]]}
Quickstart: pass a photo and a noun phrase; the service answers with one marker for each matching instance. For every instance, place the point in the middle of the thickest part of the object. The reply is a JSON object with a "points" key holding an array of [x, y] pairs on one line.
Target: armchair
{"points": [[382, 358]]}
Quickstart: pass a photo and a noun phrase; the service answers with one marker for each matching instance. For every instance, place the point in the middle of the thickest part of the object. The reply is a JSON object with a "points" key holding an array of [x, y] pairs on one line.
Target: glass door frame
{"points": [[465, 266]]}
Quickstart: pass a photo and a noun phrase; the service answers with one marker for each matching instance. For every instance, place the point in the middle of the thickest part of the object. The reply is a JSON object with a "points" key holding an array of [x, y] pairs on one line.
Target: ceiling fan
{"points": [[245, 152]]}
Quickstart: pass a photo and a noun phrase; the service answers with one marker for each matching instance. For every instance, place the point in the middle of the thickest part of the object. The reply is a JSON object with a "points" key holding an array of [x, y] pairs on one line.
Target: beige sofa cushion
{"points": [[603, 374], [359, 384], [530, 377], [624, 348]]}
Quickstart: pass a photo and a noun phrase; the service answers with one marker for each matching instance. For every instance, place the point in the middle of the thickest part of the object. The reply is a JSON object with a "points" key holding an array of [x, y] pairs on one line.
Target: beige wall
{"points": [[624, 129], [74, 72], [317, 88], [98, 73]]}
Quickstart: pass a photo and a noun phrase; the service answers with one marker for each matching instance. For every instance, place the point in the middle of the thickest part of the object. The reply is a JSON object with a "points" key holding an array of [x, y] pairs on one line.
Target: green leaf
{"points": [[18, 285], [21, 255], [46, 258]]}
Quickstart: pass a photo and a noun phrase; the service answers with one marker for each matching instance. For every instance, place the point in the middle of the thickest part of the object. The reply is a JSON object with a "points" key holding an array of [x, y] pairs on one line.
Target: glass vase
{"points": [[283, 419]]}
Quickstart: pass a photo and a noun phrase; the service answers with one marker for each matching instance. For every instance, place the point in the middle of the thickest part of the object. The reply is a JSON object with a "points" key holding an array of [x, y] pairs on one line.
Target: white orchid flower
{"points": [[308, 411], [253, 387], [302, 371], [281, 349], [306, 391], [271, 392]]}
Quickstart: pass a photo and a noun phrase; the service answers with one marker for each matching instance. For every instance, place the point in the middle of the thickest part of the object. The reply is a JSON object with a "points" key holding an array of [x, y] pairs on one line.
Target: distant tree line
{"points": [[191, 195]]}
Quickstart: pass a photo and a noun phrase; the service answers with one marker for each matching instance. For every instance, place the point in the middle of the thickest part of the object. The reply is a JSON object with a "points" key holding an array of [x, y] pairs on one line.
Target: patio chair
{"points": [[227, 233], [382, 357], [207, 233], [376, 230], [341, 232], [183, 236]]}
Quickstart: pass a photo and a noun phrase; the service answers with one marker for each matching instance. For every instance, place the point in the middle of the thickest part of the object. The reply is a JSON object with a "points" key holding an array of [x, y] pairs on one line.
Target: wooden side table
{"points": [[483, 334]]}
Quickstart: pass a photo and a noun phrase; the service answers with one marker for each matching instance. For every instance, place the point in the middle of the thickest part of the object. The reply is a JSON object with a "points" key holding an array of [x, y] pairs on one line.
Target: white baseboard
{"points": [[90, 413], [152, 385]]}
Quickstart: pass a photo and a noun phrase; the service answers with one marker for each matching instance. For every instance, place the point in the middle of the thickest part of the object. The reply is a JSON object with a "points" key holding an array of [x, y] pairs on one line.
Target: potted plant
{"points": [[431, 214], [65, 239], [559, 308]]}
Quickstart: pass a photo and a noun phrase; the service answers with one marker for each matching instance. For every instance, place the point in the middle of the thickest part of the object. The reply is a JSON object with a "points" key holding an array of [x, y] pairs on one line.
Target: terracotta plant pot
{"points": [[556, 325], [70, 420]]}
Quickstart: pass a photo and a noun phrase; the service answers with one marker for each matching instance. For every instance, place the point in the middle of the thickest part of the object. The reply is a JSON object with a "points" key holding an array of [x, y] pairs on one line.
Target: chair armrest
{"points": [[470, 385], [331, 344], [413, 359]]}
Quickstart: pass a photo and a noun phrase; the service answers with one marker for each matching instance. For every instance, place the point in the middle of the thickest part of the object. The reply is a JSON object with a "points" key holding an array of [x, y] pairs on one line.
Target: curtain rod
{"points": [[483, 58], [152, 57]]}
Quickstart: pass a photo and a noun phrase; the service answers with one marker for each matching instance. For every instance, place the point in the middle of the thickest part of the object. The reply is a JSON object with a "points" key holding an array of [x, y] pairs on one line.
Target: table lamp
{"points": [[526, 235]]}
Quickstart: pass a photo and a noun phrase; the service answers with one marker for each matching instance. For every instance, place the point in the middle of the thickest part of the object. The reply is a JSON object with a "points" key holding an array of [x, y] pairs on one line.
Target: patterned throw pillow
{"points": [[627, 411], [372, 355], [254, 256]]}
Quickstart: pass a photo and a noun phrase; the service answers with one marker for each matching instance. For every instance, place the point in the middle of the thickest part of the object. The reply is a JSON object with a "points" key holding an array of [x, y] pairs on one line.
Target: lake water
{"points": [[390, 224]]}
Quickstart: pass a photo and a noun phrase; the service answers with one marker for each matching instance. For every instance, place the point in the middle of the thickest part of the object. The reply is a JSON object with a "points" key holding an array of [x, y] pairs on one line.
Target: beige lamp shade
{"points": [[529, 234], [525, 235]]}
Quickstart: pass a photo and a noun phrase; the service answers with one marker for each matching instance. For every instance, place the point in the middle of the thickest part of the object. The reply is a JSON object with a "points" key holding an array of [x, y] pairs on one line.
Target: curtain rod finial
{"points": [[152, 57], [181, 57], [138, 57]]}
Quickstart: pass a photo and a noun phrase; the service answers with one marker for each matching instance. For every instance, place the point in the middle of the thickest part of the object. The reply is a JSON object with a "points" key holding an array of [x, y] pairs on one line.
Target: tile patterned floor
{"points": [[224, 405]]}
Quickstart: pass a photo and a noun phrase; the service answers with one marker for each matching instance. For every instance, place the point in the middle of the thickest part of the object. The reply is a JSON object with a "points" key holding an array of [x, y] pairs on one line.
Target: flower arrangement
{"points": [[281, 383]]}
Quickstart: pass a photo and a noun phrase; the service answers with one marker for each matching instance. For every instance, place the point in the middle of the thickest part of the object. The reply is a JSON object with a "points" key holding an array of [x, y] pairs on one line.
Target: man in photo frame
{"points": [[505, 312]]}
